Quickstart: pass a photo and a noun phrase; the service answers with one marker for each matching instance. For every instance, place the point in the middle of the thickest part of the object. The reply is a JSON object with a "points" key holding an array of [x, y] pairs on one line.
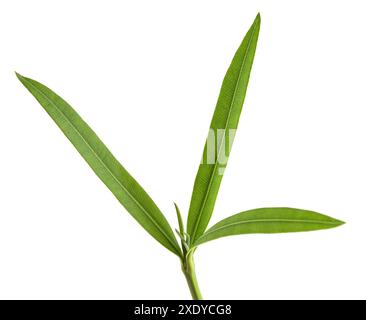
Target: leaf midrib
{"points": [[102, 162], [226, 125]]}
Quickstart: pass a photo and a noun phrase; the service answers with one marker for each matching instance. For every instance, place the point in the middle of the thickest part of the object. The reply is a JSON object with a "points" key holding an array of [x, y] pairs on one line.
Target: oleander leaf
{"points": [[269, 220], [224, 123], [180, 220], [124, 187]]}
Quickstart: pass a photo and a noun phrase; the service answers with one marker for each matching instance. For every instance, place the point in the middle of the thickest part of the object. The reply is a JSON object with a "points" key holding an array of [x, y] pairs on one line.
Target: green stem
{"points": [[190, 274]]}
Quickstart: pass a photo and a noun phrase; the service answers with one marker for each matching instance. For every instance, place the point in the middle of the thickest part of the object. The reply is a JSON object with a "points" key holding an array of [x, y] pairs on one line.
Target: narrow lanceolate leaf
{"points": [[223, 125], [124, 187], [269, 220]]}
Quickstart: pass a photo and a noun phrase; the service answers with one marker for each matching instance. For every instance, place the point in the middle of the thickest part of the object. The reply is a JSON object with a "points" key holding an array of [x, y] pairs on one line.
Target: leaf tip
{"points": [[19, 76], [335, 223], [256, 24], [258, 18], [340, 223]]}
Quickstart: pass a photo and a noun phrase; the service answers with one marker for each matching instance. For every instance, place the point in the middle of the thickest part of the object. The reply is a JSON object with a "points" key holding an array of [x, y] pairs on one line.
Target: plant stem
{"points": [[190, 274]]}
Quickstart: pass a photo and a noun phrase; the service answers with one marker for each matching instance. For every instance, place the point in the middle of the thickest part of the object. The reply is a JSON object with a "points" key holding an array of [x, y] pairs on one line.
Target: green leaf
{"points": [[224, 122], [180, 220], [269, 220], [124, 187]]}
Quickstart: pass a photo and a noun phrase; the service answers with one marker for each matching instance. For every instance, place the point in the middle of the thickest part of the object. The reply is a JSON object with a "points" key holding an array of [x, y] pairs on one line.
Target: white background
{"points": [[146, 75]]}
